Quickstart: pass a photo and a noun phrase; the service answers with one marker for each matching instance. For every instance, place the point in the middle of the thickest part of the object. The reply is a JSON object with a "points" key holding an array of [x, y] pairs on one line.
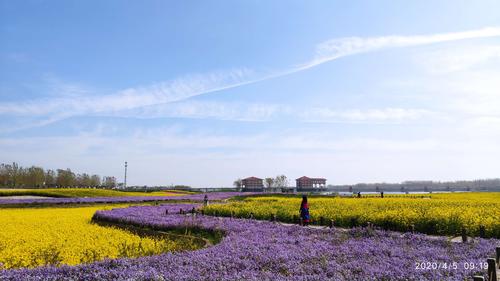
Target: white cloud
{"points": [[58, 88], [66, 105], [257, 112], [164, 92], [371, 145], [209, 109], [157, 156], [468, 93], [341, 47], [52, 109], [374, 115], [448, 60], [468, 97]]}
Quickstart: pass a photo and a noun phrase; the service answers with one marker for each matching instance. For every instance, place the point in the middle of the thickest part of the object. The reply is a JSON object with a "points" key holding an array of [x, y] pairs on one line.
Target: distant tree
{"points": [[181, 187], [14, 174], [83, 180], [109, 182], [269, 182], [95, 180], [34, 177], [238, 183], [281, 181], [50, 178], [4, 176], [65, 178]]}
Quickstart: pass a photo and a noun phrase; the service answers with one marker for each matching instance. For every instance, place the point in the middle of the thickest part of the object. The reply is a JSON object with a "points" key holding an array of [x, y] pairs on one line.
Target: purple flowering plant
{"points": [[260, 250]]}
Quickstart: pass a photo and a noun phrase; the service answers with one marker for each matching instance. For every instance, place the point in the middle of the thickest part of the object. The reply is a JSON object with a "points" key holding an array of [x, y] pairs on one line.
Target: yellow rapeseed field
{"points": [[40, 236], [442, 214]]}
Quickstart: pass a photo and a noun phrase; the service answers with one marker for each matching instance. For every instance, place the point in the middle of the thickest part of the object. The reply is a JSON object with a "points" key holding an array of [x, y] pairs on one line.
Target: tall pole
{"points": [[125, 180]]}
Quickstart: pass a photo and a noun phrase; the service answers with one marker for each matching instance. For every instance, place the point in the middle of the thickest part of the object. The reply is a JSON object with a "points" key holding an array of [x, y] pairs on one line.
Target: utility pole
{"points": [[125, 180]]}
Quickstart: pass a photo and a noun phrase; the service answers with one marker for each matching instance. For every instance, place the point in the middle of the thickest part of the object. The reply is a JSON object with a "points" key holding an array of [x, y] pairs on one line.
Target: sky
{"points": [[204, 92]]}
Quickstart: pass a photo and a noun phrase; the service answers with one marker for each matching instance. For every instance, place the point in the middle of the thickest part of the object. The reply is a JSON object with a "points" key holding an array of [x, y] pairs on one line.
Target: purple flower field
{"points": [[258, 250], [125, 199]]}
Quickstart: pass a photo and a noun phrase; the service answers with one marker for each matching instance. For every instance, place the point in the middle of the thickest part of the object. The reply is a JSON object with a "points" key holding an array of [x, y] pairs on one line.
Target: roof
{"points": [[308, 178], [252, 178]]}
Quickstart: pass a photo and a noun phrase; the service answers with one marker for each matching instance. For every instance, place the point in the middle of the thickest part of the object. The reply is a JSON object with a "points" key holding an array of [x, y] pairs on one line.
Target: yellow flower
{"points": [[443, 214], [40, 236]]}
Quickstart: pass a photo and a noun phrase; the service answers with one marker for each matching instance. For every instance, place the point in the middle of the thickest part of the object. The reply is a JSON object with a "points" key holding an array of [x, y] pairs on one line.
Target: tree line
{"points": [[15, 176], [407, 186]]}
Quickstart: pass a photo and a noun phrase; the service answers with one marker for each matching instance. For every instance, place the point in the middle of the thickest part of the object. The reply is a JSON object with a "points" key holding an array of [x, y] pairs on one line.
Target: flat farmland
{"points": [[161, 241], [437, 214], [31, 237]]}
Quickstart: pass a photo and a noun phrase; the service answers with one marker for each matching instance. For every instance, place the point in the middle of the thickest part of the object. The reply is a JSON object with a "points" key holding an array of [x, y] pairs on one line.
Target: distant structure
{"points": [[252, 184], [125, 178], [306, 183]]}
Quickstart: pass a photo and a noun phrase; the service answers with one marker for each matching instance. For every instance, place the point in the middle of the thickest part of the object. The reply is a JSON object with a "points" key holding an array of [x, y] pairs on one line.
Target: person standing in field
{"points": [[304, 210], [205, 200]]}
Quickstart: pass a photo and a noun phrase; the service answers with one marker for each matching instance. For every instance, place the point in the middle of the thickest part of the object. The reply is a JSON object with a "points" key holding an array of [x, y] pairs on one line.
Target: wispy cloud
{"points": [[237, 111], [257, 112], [341, 47], [448, 60], [51, 109], [164, 92], [373, 115], [59, 88]]}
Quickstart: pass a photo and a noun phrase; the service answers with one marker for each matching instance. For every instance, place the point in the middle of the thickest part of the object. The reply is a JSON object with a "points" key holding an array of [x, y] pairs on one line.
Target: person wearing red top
{"points": [[304, 210]]}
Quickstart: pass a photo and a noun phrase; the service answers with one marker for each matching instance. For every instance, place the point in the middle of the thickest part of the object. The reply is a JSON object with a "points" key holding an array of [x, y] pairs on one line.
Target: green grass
{"points": [[81, 192]]}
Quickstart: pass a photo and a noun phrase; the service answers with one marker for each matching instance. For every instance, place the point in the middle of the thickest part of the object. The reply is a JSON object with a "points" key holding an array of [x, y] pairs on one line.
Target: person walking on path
{"points": [[304, 210]]}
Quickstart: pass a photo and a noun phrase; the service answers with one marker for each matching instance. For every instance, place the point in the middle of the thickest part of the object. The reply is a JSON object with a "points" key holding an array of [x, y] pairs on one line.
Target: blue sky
{"points": [[204, 92]]}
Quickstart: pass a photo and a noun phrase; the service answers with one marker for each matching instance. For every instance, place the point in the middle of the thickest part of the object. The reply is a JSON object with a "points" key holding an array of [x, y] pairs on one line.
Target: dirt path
{"points": [[457, 239]]}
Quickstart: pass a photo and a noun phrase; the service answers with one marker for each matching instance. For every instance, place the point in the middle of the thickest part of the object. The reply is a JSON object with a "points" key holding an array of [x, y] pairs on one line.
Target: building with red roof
{"points": [[252, 183], [310, 183]]}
